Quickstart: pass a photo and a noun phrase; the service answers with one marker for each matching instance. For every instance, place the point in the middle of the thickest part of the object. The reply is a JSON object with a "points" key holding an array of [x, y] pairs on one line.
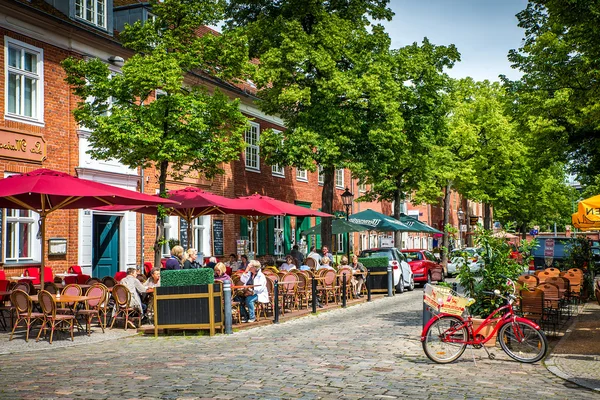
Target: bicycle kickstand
{"points": [[473, 355], [491, 356]]}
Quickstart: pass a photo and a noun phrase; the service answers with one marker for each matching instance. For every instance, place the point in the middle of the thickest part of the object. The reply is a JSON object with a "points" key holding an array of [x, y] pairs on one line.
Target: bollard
{"points": [[227, 306], [344, 290], [276, 302], [455, 287], [390, 281], [314, 295], [369, 285]]}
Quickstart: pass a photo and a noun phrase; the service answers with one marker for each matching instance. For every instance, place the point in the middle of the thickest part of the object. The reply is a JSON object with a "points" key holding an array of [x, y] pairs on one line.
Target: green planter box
{"points": [[187, 277]]}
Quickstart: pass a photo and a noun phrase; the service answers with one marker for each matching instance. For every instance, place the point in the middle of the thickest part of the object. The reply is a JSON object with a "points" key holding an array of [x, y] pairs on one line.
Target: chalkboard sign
{"points": [[183, 234], [218, 237]]}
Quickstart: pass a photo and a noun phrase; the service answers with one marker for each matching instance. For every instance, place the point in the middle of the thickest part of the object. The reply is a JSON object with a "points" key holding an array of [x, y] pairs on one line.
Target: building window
{"points": [[252, 137], [92, 11], [278, 170], [339, 242], [169, 233], [199, 234], [321, 178], [301, 175], [339, 178], [19, 235], [278, 232], [24, 81], [362, 187]]}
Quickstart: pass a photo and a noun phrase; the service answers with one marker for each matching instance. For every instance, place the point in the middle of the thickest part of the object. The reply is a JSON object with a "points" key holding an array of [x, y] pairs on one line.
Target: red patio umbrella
{"points": [[45, 191]]}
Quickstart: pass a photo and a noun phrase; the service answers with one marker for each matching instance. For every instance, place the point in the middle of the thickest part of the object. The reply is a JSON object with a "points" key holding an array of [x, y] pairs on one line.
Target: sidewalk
{"points": [[576, 357]]}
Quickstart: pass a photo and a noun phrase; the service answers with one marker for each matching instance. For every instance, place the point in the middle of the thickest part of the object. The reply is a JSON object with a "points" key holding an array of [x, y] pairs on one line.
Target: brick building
{"points": [[37, 130]]}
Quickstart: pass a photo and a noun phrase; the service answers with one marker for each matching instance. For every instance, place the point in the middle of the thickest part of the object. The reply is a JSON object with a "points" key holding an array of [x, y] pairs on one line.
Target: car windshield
{"points": [[412, 255], [375, 253]]}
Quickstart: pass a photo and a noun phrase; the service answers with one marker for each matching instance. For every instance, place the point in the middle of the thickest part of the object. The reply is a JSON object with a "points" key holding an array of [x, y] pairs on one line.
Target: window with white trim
{"points": [[339, 242], [199, 233], [19, 235], [169, 233], [24, 97], [252, 151], [301, 174], [276, 169], [339, 178], [92, 11], [362, 187], [321, 179], [278, 232]]}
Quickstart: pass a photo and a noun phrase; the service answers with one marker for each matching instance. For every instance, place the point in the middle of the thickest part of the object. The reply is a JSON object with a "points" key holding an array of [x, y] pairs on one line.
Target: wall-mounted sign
{"points": [[22, 146], [57, 247]]}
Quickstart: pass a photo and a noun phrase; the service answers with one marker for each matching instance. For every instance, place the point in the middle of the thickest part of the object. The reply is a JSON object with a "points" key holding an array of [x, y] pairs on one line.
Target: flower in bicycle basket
{"points": [[440, 301]]}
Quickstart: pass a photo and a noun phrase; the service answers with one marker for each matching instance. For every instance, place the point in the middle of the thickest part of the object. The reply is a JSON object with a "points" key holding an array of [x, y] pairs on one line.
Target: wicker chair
{"points": [[109, 281], [23, 309], [329, 286], [93, 307], [93, 281], [287, 290], [51, 288], [51, 318], [123, 310], [340, 275], [69, 290]]}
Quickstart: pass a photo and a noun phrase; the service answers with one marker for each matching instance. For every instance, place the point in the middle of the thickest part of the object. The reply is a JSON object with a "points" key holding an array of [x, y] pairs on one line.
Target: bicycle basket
{"points": [[445, 300]]}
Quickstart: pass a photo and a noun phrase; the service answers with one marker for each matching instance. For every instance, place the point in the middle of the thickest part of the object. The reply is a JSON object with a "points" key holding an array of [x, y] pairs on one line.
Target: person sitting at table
{"points": [[221, 272], [288, 265], [177, 258], [358, 275], [233, 262], [154, 279], [327, 254], [325, 264], [315, 256], [297, 254], [211, 262], [244, 262], [136, 288], [192, 259], [257, 290], [304, 267]]}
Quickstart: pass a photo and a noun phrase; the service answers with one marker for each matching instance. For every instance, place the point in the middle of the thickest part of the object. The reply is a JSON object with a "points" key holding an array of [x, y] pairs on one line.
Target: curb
{"points": [[552, 366]]}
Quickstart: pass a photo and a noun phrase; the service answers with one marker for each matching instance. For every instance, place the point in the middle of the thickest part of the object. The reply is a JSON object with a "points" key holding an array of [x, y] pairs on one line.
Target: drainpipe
{"points": [[142, 222]]}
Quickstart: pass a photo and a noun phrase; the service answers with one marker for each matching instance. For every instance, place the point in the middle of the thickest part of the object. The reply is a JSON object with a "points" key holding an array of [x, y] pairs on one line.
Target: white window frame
{"points": [[83, 5], [362, 187], [339, 242], [169, 233], [301, 175], [278, 248], [321, 175], [252, 133], [30, 220], [339, 178], [276, 169], [198, 231], [38, 98]]}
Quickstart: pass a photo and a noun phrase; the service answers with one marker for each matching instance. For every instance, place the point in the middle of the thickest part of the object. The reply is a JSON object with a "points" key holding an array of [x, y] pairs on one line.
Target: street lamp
{"points": [[461, 216], [347, 198]]}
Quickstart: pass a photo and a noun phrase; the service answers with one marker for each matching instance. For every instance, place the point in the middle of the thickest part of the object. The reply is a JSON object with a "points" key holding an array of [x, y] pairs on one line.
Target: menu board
{"points": [[183, 234], [217, 236]]}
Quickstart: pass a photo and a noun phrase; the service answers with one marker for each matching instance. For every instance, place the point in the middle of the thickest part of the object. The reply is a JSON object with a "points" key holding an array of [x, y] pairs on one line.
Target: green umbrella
{"points": [[338, 226], [375, 221], [416, 224]]}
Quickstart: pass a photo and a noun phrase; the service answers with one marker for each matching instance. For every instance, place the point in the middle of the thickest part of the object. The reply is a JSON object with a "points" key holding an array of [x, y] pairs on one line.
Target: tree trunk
{"points": [[398, 198], [327, 205], [160, 222], [445, 241], [487, 216], [523, 230]]}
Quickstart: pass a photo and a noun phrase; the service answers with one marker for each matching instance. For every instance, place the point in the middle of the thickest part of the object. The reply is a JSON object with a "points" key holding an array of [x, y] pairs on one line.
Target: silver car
{"points": [[456, 260]]}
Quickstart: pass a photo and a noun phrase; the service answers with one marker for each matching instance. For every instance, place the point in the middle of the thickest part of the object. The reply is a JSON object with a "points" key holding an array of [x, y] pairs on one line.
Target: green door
{"points": [[105, 249]]}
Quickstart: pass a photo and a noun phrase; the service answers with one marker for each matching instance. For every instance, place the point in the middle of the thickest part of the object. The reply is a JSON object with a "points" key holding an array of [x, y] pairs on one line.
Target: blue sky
{"points": [[482, 30]]}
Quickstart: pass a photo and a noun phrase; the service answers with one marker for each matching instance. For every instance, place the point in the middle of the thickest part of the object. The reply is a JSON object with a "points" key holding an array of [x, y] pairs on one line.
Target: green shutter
{"points": [[244, 228], [262, 242], [271, 235], [318, 221], [287, 235]]}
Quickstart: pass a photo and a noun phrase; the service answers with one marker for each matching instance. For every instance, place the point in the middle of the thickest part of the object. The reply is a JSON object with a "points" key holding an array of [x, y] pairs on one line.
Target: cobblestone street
{"points": [[367, 351]]}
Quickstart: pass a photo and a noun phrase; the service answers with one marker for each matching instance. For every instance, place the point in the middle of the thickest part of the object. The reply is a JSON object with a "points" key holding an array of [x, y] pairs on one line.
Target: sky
{"points": [[482, 30]]}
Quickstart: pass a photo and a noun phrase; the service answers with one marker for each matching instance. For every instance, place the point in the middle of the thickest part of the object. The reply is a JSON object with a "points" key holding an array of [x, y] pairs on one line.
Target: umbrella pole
{"points": [[43, 247]]}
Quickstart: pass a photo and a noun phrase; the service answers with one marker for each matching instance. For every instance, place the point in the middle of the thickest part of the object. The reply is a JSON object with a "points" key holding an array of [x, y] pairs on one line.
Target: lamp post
{"points": [[347, 198], [461, 216]]}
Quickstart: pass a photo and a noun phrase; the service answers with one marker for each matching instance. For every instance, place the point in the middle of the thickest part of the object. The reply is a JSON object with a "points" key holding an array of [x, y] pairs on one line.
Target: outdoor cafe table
{"points": [[62, 286], [18, 278], [64, 298]]}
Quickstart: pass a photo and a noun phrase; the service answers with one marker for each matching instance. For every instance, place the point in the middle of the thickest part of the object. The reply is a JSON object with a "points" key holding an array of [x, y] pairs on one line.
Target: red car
{"points": [[424, 265]]}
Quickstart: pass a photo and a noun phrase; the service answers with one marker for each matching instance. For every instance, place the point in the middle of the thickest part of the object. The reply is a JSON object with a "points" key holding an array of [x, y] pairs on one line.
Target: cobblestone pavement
{"points": [[368, 351]]}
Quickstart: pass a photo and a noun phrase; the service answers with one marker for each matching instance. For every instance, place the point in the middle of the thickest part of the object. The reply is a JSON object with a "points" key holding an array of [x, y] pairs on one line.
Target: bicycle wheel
{"points": [[445, 340], [523, 342]]}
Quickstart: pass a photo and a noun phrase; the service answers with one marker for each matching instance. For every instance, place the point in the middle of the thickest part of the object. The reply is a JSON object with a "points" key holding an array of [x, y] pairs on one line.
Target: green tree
{"points": [[558, 95], [404, 161], [325, 70], [154, 113]]}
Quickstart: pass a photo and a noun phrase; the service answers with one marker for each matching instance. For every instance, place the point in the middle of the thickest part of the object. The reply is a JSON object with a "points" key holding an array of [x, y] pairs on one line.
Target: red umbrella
{"points": [[45, 191]]}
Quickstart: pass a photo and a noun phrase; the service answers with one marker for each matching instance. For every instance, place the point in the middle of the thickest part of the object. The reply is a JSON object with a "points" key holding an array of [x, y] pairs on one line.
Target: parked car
{"points": [[401, 272], [457, 260], [551, 252], [424, 265]]}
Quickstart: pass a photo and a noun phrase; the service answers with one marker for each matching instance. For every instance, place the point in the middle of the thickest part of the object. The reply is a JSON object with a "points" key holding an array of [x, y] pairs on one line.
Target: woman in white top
{"points": [[288, 265]]}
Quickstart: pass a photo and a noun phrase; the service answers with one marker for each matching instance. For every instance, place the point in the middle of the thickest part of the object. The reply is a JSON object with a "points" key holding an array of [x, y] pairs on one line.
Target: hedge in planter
{"points": [[370, 262], [187, 277], [377, 267]]}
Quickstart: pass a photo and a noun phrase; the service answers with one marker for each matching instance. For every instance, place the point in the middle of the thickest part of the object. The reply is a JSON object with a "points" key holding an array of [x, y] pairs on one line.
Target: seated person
{"points": [[315, 256], [297, 254], [358, 278], [304, 267], [233, 262], [327, 254], [244, 263], [221, 273], [288, 265], [136, 288], [325, 264], [177, 258], [257, 292], [192, 259], [154, 279], [211, 262]]}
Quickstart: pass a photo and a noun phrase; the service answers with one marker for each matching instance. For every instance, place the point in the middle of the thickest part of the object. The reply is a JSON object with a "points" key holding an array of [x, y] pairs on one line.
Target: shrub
{"points": [[370, 262], [187, 277]]}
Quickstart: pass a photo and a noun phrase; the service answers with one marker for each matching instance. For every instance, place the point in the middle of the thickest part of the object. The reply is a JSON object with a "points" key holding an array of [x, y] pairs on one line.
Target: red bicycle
{"points": [[446, 336]]}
